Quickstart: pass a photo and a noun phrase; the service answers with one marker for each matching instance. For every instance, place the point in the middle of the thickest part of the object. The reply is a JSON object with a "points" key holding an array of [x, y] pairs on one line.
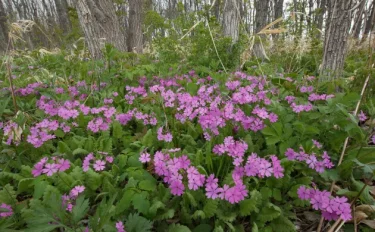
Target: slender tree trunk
{"points": [[335, 42], [278, 13], [100, 25], [63, 15], [320, 16], [356, 30], [278, 9], [231, 20], [261, 7], [217, 9], [3, 28], [135, 34], [369, 22]]}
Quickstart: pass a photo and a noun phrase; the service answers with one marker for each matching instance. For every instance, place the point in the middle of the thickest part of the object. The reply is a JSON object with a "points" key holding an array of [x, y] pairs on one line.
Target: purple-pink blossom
{"points": [[331, 207]]}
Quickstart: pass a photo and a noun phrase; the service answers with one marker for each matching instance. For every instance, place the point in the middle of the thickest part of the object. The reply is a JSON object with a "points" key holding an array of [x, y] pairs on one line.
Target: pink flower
{"points": [[362, 116], [77, 190], [5, 210], [120, 227], [145, 157], [99, 165], [63, 165], [109, 159], [317, 144], [177, 188], [50, 169], [373, 139], [38, 169]]}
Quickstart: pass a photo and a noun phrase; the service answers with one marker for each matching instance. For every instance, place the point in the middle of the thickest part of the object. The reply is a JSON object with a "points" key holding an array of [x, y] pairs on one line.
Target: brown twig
{"points": [[11, 86]]}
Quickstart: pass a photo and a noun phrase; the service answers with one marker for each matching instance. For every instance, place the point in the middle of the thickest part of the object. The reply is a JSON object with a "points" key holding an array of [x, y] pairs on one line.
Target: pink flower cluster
{"points": [[373, 139], [173, 171], [301, 108], [41, 132], [5, 210], [97, 163], [234, 149], [297, 108], [49, 166], [120, 227], [214, 110], [310, 159], [321, 97], [69, 200], [167, 137], [134, 92], [332, 208], [306, 89], [30, 89]]}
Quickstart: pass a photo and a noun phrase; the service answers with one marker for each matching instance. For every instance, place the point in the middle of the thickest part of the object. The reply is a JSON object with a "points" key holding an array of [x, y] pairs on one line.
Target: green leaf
{"points": [[199, 214], [125, 201], [136, 223], [25, 184], [93, 179], [272, 140], [63, 148], [266, 192], [39, 187], [269, 213], [80, 151], [155, 206], [141, 203], [269, 131], [254, 228], [276, 193], [3, 105], [80, 209], [147, 185], [203, 228], [117, 130], [210, 208], [148, 139], [282, 224], [251, 205], [178, 228], [59, 133]]}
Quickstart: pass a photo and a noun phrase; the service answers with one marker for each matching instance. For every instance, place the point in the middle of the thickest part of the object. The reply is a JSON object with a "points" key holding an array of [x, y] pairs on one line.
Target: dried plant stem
{"points": [[213, 41], [344, 148], [354, 220], [11, 86]]}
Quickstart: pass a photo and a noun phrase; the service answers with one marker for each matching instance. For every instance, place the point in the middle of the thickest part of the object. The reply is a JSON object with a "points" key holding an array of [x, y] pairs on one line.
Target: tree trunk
{"points": [[320, 16], [231, 20], [261, 7], [335, 42], [63, 15], [135, 34], [369, 22], [3, 28], [356, 30], [100, 25], [278, 9]]}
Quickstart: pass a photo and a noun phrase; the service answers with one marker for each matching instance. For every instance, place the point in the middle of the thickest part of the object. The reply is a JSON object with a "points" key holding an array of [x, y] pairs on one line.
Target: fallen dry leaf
{"points": [[369, 223], [367, 209], [360, 216]]}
